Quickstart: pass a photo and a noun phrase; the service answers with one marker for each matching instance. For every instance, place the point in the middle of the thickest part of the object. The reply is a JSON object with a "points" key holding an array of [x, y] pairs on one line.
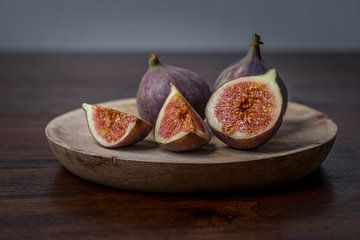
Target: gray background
{"points": [[156, 25]]}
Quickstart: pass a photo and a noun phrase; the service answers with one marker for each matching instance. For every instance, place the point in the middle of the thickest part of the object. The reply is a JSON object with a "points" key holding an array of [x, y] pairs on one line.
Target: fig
{"points": [[154, 88], [112, 128], [246, 112], [252, 64], [179, 127]]}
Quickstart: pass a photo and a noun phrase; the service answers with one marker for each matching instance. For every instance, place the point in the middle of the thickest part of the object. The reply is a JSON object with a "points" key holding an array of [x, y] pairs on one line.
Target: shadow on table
{"points": [[308, 197]]}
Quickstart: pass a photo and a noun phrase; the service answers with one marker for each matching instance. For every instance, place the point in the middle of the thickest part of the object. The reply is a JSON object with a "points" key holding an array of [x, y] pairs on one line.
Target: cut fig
{"points": [[178, 126], [112, 128], [246, 112]]}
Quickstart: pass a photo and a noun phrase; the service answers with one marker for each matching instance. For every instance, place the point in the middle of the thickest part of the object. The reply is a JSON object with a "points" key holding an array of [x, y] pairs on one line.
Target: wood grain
{"points": [[301, 145], [39, 199]]}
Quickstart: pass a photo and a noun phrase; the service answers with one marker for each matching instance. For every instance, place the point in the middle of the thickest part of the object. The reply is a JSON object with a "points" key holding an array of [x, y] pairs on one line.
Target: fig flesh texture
{"points": [[179, 127], [154, 88], [112, 128], [252, 64], [245, 113]]}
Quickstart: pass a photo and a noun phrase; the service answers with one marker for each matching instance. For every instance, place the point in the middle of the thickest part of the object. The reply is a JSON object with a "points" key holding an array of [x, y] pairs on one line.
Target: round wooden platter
{"points": [[300, 146]]}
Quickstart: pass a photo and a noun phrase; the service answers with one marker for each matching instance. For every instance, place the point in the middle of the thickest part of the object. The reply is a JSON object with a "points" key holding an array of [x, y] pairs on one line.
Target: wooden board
{"points": [[299, 148]]}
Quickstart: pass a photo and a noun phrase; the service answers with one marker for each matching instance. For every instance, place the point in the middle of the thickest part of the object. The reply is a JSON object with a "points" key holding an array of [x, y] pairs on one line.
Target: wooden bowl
{"points": [[301, 145]]}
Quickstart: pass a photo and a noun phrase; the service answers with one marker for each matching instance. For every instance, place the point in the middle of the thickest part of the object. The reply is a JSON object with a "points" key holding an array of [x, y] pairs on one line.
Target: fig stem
{"points": [[256, 40], [154, 60], [254, 50]]}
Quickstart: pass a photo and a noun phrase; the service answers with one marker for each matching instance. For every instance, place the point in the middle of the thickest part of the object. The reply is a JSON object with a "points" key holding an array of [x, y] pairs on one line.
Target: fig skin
{"points": [[139, 132], [188, 142], [260, 139], [154, 88], [251, 65]]}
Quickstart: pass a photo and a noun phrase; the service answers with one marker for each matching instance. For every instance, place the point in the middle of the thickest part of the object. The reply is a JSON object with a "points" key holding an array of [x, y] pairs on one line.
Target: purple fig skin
{"points": [[189, 142], [137, 134], [154, 88], [251, 65]]}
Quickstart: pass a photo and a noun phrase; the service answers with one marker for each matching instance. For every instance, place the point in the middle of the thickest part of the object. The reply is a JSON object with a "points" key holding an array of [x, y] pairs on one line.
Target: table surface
{"points": [[39, 199]]}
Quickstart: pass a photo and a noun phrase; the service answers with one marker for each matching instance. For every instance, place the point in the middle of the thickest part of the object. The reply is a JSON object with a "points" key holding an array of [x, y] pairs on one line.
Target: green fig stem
{"points": [[154, 60], [254, 50]]}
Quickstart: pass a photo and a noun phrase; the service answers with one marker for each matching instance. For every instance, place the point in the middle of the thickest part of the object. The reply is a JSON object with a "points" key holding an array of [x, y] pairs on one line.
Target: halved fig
{"points": [[178, 126], [112, 128], [246, 112]]}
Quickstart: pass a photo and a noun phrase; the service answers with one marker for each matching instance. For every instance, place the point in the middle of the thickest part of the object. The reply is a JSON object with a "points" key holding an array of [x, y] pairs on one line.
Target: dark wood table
{"points": [[39, 199]]}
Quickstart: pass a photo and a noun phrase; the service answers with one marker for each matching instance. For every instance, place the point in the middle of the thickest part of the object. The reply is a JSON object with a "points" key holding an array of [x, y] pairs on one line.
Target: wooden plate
{"points": [[299, 148]]}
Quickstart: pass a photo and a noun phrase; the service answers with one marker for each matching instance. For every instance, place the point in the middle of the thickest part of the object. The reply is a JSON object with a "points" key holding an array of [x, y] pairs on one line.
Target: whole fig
{"points": [[251, 65], [154, 88]]}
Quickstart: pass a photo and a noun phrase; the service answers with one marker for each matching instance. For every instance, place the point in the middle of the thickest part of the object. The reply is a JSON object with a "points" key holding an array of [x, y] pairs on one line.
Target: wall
{"points": [[226, 25]]}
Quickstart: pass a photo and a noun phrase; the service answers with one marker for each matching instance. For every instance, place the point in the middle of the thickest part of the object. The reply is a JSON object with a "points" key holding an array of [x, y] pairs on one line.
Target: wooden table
{"points": [[41, 200]]}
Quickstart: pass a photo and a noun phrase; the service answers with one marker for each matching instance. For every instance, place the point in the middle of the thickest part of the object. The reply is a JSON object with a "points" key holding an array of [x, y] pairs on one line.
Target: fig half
{"points": [[112, 128], [246, 112], [179, 127]]}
